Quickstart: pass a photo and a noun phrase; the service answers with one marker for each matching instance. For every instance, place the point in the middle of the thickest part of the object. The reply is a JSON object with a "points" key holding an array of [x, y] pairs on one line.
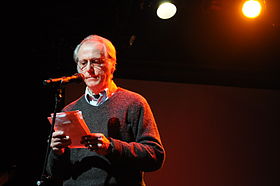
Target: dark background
{"points": [[206, 42], [223, 68]]}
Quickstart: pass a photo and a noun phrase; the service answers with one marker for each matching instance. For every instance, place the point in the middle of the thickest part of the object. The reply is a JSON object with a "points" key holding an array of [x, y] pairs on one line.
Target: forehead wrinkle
{"points": [[91, 49]]}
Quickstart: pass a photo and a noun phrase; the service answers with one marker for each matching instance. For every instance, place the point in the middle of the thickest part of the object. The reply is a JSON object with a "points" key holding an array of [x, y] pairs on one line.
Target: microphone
{"points": [[78, 77]]}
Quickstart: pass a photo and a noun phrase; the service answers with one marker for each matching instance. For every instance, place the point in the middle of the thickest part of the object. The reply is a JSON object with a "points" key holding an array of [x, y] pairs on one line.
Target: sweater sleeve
{"points": [[58, 166], [146, 152]]}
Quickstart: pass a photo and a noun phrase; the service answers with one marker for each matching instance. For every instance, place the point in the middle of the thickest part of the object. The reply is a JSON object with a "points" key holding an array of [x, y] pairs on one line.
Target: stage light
{"points": [[251, 8], [166, 10]]}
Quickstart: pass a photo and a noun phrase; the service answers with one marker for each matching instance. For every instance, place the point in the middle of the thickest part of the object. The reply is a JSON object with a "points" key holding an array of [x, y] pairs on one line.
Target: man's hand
{"points": [[59, 142], [97, 142]]}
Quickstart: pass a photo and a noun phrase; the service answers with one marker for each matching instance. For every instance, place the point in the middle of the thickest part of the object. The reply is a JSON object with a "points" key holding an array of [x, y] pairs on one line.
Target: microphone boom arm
{"points": [[64, 80]]}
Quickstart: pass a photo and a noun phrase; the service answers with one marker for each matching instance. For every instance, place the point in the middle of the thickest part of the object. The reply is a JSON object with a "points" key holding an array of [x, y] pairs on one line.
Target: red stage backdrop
{"points": [[213, 135]]}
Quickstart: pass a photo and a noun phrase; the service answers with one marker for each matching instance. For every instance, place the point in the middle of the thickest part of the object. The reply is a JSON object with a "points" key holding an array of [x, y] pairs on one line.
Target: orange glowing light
{"points": [[251, 9]]}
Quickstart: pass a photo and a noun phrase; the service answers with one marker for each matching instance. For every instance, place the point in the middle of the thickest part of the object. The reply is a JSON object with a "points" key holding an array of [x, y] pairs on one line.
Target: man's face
{"points": [[93, 64]]}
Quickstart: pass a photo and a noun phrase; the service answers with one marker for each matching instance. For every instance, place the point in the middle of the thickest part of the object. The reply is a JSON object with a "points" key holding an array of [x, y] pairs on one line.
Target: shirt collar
{"points": [[98, 99]]}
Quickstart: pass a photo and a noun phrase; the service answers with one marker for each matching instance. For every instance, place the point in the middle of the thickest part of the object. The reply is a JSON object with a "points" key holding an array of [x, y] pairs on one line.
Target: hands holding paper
{"points": [[71, 131], [95, 141]]}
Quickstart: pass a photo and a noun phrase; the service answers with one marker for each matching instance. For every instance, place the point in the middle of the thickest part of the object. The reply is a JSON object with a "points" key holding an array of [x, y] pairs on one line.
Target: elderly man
{"points": [[124, 140]]}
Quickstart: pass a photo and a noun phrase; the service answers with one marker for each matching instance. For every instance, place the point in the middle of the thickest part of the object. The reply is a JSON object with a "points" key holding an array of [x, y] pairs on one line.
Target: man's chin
{"points": [[92, 81]]}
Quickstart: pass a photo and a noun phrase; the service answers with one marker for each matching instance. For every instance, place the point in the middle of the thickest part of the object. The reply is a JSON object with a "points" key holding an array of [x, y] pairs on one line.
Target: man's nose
{"points": [[89, 67]]}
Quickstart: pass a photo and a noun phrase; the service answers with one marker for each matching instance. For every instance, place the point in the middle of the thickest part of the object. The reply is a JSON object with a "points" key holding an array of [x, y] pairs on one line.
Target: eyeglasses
{"points": [[94, 62]]}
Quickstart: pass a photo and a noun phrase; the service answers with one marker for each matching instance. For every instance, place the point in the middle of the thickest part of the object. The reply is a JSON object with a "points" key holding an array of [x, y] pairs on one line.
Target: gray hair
{"points": [[109, 49]]}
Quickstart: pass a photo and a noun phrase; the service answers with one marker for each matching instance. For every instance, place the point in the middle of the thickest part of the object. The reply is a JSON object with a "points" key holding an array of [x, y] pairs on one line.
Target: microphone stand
{"points": [[58, 97]]}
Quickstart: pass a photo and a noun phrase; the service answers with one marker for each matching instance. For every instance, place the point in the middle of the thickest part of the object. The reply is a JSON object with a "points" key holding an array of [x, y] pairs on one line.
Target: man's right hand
{"points": [[59, 142]]}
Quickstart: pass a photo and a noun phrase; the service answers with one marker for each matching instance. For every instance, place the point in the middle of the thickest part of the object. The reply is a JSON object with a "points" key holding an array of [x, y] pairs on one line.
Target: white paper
{"points": [[73, 125]]}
